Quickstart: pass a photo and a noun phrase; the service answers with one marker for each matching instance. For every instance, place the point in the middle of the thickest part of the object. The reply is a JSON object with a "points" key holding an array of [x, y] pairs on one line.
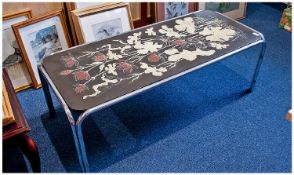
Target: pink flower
{"points": [[79, 88], [153, 58], [125, 67], [100, 58], [179, 42], [65, 72], [81, 75], [69, 61]]}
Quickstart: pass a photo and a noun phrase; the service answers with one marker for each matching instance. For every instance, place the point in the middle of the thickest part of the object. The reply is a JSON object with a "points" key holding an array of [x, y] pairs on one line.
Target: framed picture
{"points": [[235, 10], [39, 37], [70, 6], [12, 59], [7, 114], [82, 5], [168, 10], [100, 22]]}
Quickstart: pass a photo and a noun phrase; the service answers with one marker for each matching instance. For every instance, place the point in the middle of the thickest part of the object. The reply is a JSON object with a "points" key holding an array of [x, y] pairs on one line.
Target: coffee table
{"points": [[95, 75]]}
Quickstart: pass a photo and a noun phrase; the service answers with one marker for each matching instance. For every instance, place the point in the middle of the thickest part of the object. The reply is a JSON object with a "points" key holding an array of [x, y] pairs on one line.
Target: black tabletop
{"points": [[92, 74]]}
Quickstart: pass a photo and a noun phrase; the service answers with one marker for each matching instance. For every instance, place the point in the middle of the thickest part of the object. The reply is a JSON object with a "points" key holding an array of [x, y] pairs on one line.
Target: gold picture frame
{"points": [[41, 25], [99, 9], [7, 113], [17, 72], [69, 7]]}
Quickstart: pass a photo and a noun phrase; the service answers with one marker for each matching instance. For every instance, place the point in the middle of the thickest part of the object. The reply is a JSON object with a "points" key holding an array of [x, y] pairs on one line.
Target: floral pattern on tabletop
{"points": [[150, 52]]}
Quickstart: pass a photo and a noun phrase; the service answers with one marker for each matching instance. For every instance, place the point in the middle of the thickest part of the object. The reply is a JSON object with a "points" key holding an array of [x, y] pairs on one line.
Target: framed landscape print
{"points": [[168, 10], [11, 57], [235, 10], [100, 22], [70, 6], [39, 37]]}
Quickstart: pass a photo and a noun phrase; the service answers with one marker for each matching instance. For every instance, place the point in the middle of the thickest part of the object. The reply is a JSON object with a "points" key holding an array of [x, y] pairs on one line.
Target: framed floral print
{"points": [[12, 59], [168, 10], [100, 22], [40, 37], [235, 10]]}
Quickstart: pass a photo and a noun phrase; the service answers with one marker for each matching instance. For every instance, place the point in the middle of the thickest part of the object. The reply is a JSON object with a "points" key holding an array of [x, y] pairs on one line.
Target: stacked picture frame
{"points": [[12, 59], [101, 21], [39, 37], [71, 6], [167, 10], [235, 10]]}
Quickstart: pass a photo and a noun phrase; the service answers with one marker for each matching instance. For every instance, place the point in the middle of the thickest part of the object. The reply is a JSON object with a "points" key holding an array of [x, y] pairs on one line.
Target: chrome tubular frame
{"points": [[258, 65], [76, 128], [77, 125]]}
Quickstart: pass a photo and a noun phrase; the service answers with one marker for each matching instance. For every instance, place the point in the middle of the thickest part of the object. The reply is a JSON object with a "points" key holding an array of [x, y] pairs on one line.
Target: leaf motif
{"points": [[101, 67], [97, 63], [218, 34]]}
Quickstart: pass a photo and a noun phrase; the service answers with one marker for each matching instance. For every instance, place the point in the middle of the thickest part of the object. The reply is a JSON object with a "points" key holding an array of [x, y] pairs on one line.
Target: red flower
{"points": [[81, 75], [79, 88], [179, 42], [65, 72], [125, 67], [69, 61], [153, 58], [100, 58]]}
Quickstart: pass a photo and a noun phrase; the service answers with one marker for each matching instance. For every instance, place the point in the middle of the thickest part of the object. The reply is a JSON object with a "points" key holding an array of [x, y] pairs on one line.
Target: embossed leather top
{"points": [[92, 74]]}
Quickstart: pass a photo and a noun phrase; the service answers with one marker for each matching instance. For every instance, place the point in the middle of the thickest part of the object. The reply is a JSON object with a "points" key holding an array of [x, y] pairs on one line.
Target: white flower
{"points": [[150, 31], [169, 32], [187, 24], [113, 56], [171, 51], [189, 55], [134, 39], [218, 46], [153, 70], [147, 47], [111, 69], [218, 34]]}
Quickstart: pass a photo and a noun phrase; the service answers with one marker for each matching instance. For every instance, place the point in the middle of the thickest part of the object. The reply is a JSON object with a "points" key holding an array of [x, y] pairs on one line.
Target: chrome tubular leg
{"points": [[82, 146], [78, 148], [46, 91], [257, 68]]}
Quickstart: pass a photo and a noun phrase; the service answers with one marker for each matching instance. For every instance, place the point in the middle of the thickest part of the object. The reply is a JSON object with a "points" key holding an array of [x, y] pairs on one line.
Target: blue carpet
{"points": [[200, 122]]}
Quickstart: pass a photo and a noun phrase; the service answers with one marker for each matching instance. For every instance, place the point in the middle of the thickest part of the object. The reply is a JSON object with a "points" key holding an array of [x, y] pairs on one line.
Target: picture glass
{"points": [[44, 42], [106, 29], [174, 9], [105, 24], [11, 55], [42, 39], [222, 7], [10, 47], [235, 10]]}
